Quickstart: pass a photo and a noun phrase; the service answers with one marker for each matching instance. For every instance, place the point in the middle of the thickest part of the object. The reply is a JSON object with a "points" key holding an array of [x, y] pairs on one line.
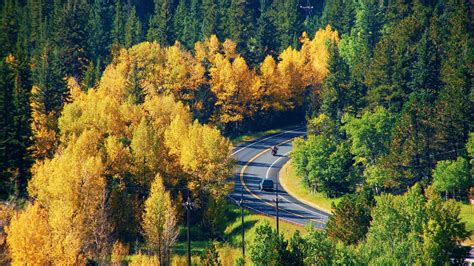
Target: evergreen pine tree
{"points": [[286, 21], [224, 18], [454, 109], [209, 18], [133, 28], [48, 76], [70, 36], [240, 21], [264, 40], [335, 94], [99, 39], [7, 128], [193, 24], [160, 25], [180, 27], [8, 27], [339, 14], [118, 31]]}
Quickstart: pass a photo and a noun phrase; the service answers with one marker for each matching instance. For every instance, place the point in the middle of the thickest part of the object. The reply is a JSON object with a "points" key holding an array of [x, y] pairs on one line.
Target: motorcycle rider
{"points": [[274, 150]]}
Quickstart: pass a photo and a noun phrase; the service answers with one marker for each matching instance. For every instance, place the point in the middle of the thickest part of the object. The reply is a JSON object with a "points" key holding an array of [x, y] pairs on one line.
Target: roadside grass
{"points": [[467, 216], [253, 135], [293, 184], [232, 233]]}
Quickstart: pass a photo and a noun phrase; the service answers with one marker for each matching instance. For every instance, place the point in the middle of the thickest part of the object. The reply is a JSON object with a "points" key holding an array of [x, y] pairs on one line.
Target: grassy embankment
{"points": [[295, 187], [467, 215], [230, 247], [255, 135]]}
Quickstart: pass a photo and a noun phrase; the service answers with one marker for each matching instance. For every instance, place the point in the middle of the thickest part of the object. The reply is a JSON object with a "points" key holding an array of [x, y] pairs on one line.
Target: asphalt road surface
{"points": [[254, 163]]}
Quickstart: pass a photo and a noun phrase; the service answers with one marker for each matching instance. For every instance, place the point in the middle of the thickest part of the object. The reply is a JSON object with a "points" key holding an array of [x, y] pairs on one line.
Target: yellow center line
{"points": [[258, 197]]}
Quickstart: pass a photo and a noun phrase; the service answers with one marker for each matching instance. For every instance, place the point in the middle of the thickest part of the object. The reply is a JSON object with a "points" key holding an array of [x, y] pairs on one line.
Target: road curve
{"points": [[254, 162]]}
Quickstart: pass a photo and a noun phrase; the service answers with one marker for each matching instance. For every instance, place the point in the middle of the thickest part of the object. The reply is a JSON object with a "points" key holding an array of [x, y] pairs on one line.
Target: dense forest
{"points": [[114, 112]]}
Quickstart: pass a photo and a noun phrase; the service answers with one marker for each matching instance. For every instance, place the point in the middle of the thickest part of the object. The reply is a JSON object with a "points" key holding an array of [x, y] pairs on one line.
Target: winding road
{"points": [[254, 162]]}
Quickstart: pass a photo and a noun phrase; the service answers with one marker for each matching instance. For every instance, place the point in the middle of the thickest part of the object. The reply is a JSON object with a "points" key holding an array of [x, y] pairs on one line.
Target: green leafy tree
{"points": [[413, 228], [325, 165], [320, 250], [269, 248], [452, 177], [370, 135]]}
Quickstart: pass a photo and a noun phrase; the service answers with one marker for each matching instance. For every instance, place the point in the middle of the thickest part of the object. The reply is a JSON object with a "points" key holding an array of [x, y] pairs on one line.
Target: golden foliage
{"points": [[144, 260], [155, 70], [231, 82], [29, 237], [134, 130], [119, 251], [202, 153], [159, 220], [7, 211], [44, 126], [71, 188]]}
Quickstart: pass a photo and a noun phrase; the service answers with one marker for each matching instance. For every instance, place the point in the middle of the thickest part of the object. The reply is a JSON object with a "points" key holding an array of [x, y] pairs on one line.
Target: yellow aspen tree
{"points": [[71, 188], [316, 54], [44, 126], [204, 154], [29, 236], [291, 71], [266, 90], [229, 48], [159, 221], [183, 73], [213, 48], [231, 83], [147, 151]]}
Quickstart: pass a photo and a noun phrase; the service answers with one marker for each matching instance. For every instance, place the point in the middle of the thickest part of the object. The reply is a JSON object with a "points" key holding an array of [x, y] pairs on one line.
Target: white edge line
{"points": [[274, 162], [269, 137]]}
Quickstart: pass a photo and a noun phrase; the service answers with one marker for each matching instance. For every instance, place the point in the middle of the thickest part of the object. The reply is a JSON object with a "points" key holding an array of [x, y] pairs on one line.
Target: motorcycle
{"points": [[274, 150]]}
